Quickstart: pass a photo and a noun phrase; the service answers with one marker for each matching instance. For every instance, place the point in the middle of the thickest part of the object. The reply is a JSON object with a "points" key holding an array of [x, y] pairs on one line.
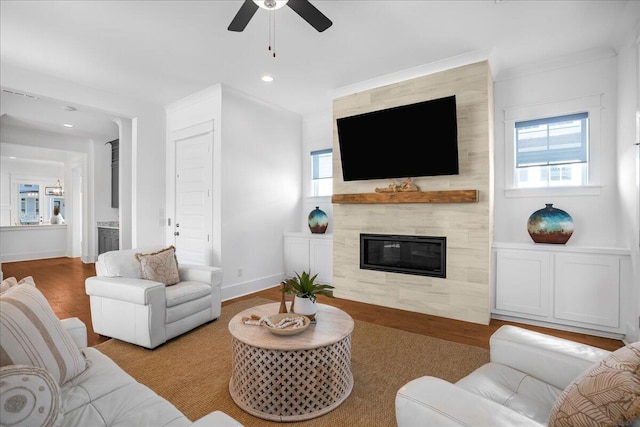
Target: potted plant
{"points": [[305, 291]]}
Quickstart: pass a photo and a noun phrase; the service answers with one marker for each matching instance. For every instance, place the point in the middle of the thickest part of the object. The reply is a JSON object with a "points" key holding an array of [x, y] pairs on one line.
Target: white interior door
{"points": [[192, 228]]}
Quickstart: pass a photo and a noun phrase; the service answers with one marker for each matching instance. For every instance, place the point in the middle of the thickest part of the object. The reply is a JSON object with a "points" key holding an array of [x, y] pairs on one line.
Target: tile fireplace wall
{"points": [[465, 293]]}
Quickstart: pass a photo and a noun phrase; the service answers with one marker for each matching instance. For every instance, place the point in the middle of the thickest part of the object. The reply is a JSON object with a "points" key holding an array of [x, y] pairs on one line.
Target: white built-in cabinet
{"points": [[572, 288], [308, 252]]}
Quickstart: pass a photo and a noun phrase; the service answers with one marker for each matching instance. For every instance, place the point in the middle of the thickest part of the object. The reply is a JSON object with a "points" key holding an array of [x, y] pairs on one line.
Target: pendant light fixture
{"points": [[57, 189]]}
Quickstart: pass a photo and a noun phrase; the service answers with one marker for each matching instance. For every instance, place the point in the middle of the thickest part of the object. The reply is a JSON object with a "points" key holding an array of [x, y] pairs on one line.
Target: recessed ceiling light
{"points": [[267, 78], [68, 125], [12, 157]]}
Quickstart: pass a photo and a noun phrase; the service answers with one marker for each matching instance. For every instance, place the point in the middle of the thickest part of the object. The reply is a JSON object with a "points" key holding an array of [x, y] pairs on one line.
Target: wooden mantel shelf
{"points": [[443, 196]]}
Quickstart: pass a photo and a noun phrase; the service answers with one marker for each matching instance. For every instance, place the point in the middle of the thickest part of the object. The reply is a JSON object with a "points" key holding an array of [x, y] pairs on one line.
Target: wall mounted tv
{"points": [[412, 140]]}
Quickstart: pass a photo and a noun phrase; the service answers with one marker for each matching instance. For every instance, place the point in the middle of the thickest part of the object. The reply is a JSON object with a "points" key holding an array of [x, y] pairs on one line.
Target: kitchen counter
{"points": [[109, 224], [27, 242], [31, 227]]}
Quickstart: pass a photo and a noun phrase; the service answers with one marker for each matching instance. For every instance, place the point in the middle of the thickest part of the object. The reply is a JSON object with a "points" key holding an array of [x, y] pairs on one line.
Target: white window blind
{"points": [[560, 140]]}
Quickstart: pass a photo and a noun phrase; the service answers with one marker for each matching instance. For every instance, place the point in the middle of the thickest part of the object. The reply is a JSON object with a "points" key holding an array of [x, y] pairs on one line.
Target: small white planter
{"points": [[305, 306]]}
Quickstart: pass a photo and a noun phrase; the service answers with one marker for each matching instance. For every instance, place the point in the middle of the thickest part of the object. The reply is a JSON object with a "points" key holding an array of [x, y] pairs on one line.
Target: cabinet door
{"points": [[523, 282], [587, 289], [321, 259], [108, 241], [102, 241], [114, 239], [296, 255], [115, 183]]}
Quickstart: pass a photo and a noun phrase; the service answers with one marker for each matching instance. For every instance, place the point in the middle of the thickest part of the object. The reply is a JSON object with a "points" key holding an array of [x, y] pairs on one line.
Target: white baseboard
{"points": [[28, 256], [569, 328], [236, 290]]}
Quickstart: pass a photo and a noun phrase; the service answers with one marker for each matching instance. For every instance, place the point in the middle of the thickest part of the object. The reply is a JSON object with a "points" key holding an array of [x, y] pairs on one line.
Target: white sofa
{"points": [[145, 312], [49, 377], [105, 395], [526, 374]]}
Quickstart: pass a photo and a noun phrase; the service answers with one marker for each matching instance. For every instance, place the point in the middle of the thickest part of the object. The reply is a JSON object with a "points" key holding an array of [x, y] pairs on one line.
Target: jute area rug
{"points": [[193, 371]]}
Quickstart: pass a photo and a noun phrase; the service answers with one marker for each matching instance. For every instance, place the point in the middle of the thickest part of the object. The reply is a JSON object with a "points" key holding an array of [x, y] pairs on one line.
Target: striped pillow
{"points": [[33, 335]]}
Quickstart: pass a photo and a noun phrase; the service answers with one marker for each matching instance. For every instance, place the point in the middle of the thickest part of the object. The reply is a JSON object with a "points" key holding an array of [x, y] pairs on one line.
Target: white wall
{"points": [[628, 161], [596, 218], [260, 189]]}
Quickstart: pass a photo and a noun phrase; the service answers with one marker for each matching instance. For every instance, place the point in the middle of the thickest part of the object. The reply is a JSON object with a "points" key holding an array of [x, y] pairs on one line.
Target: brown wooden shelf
{"points": [[442, 196]]}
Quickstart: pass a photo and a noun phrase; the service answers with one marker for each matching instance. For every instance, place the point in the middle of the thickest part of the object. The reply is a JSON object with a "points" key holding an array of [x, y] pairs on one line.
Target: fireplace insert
{"points": [[421, 255]]}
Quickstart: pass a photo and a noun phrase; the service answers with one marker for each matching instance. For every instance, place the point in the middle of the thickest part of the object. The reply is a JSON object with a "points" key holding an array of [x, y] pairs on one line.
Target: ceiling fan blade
{"points": [[309, 13], [244, 15]]}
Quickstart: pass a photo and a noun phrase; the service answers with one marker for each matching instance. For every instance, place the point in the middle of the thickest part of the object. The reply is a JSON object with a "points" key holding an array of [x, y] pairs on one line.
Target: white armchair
{"points": [[145, 312], [526, 375]]}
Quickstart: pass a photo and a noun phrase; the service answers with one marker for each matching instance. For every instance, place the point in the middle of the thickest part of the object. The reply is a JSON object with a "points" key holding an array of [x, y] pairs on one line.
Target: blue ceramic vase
{"points": [[550, 225], [318, 221]]}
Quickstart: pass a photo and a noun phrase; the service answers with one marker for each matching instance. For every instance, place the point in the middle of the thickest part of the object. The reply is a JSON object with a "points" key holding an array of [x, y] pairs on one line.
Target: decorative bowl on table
{"points": [[287, 323]]}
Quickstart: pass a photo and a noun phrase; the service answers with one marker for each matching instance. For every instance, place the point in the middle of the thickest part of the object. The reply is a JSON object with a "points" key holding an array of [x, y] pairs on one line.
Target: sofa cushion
{"points": [[161, 266], [606, 394], [29, 396], [105, 395], [513, 389], [33, 335], [186, 291]]}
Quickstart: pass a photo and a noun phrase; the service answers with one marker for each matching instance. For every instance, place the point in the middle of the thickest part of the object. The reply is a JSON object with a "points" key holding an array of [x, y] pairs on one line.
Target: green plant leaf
{"points": [[303, 285]]}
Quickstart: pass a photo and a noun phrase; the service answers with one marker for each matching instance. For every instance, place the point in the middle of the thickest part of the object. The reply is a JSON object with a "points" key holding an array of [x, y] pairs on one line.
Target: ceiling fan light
{"points": [[271, 4]]}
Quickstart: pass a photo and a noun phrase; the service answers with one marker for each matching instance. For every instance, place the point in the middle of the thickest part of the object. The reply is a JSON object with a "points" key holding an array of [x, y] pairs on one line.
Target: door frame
{"points": [[174, 137]]}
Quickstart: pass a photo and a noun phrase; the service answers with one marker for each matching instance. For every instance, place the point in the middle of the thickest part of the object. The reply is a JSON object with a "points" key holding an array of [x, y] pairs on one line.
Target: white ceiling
{"points": [[161, 51]]}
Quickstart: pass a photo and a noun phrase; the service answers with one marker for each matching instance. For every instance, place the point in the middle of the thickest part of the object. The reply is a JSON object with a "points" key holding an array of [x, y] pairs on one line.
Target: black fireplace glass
{"points": [[421, 255]]}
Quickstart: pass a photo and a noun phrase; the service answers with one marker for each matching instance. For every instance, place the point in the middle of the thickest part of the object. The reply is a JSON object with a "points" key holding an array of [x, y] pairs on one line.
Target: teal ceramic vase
{"points": [[318, 221], [550, 225]]}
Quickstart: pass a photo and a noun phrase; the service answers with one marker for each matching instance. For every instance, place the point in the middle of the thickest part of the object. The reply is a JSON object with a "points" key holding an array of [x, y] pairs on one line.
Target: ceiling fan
{"points": [[306, 10]]}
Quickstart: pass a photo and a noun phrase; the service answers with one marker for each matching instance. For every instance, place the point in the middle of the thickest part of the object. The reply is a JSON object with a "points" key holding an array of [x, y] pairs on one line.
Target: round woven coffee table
{"points": [[293, 377]]}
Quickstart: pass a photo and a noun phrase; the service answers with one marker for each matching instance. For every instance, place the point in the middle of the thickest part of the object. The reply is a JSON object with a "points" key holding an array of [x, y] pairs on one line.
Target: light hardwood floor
{"points": [[61, 280]]}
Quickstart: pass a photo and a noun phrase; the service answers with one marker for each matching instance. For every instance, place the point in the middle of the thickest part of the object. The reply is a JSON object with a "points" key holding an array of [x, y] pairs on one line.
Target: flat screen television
{"points": [[412, 140]]}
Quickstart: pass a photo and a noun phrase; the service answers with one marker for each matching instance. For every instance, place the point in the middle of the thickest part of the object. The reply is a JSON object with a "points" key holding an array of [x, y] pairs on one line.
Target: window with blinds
{"points": [[321, 173], [552, 151]]}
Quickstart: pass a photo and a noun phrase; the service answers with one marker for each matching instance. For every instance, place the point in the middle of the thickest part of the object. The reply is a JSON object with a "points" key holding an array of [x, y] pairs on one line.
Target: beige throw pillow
{"points": [[33, 335], [607, 394], [29, 396], [161, 266]]}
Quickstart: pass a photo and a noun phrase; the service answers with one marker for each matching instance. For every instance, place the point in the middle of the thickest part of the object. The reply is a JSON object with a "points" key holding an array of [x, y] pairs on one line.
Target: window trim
{"points": [[592, 105]]}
